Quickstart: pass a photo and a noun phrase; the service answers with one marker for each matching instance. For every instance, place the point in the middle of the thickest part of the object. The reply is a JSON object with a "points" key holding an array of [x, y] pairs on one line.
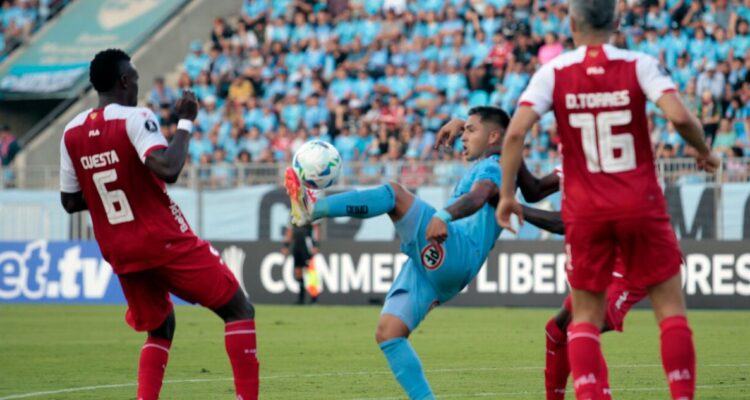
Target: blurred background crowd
{"points": [[378, 78], [20, 18]]}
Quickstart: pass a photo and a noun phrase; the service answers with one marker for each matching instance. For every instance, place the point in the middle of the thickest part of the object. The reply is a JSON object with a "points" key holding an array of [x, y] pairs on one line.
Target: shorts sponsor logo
{"points": [[432, 256]]}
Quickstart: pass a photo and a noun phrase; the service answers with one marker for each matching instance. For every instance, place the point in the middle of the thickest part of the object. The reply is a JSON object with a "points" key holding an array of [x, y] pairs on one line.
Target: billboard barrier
{"points": [[517, 273]]}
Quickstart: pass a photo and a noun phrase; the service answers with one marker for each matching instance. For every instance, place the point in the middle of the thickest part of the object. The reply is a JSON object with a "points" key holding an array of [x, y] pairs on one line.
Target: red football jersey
{"points": [[102, 154], [598, 95]]}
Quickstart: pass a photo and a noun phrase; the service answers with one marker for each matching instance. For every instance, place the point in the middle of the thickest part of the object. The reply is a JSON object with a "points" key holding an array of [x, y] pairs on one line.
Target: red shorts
{"points": [[648, 247], [198, 276], [621, 297]]}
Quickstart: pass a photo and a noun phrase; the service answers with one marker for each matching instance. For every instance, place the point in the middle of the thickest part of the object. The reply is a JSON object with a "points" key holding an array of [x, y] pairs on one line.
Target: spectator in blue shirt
{"points": [[741, 41], [701, 48], [256, 143], [346, 144], [292, 111], [544, 22], [657, 18], [268, 121], [254, 10], [674, 45], [161, 95], [278, 31], [196, 61], [209, 116], [302, 31]]}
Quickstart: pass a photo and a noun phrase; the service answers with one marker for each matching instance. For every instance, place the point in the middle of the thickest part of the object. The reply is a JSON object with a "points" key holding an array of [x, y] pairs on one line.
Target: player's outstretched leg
{"points": [[389, 198], [154, 357], [392, 337], [240, 343], [677, 348]]}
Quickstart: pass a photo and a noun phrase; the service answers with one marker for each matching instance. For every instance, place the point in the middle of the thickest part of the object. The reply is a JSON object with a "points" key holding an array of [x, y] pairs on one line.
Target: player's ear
{"points": [[494, 136]]}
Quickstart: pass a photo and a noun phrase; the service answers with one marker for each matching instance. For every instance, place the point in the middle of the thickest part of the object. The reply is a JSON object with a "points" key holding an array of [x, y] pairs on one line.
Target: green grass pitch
{"points": [[329, 353]]}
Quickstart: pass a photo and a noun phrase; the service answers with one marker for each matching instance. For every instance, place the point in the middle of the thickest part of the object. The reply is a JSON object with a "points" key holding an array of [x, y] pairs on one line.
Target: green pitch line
{"points": [[87, 352]]}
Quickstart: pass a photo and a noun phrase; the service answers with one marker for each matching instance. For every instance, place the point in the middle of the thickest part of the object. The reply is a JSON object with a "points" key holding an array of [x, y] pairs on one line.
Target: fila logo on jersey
{"points": [[433, 256], [595, 71], [619, 98], [151, 125]]}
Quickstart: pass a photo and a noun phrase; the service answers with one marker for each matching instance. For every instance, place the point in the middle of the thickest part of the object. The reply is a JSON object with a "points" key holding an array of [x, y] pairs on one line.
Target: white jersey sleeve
{"points": [[653, 78], [68, 179], [144, 132], [538, 94]]}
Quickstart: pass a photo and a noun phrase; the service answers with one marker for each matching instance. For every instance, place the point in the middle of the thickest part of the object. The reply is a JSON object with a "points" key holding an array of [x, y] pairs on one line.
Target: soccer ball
{"points": [[317, 164]]}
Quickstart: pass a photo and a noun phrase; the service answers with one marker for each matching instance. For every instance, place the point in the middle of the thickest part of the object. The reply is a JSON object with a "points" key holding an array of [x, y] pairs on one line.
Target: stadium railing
{"points": [[29, 205]]}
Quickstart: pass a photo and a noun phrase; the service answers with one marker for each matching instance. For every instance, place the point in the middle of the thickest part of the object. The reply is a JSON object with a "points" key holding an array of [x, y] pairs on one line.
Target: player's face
{"points": [[475, 138]]}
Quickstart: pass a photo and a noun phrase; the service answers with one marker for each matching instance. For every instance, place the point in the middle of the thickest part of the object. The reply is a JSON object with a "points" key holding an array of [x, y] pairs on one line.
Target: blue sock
{"points": [[356, 203], [407, 368]]}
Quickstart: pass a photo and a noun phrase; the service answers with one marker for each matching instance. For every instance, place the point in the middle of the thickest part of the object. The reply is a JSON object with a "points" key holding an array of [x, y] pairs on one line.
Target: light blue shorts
{"points": [[433, 274]]}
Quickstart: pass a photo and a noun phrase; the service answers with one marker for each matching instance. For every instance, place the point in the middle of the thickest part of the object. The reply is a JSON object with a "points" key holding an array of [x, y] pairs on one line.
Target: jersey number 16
{"points": [[597, 129]]}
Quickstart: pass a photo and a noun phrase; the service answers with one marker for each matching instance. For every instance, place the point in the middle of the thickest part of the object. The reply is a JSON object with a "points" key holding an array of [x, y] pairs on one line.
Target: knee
{"points": [[387, 331], [238, 308], [167, 328], [381, 333]]}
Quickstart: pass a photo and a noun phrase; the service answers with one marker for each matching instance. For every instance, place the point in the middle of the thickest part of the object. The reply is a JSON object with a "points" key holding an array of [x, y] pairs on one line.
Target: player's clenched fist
{"points": [[187, 106], [449, 132], [437, 231], [708, 162], [508, 205]]}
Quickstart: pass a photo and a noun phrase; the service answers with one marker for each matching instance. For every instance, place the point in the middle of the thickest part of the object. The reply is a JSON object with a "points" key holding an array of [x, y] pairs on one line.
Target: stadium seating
{"points": [[295, 71], [20, 18]]}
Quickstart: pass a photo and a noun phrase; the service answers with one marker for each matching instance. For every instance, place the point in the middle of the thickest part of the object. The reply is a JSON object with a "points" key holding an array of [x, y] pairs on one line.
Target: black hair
{"points": [[491, 114], [104, 70]]}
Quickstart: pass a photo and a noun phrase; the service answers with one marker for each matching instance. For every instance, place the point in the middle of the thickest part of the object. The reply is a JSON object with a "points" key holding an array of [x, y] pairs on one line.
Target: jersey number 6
{"points": [[111, 199], [599, 129]]}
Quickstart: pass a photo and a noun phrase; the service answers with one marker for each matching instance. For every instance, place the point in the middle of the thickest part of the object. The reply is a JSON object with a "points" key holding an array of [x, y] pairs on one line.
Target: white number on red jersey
{"points": [[597, 130], [112, 198]]}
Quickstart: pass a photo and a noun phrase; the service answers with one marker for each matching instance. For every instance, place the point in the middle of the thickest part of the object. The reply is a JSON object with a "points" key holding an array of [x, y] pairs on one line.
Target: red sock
{"points": [[154, 356], [586, 359], [678, 356], [239, 339], [604, 371], [557, 367]]}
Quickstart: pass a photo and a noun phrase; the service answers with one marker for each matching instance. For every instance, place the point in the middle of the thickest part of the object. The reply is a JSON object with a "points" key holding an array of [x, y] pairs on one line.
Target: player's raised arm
{"points": [[167, 163], [550, 221], [448, 133], [534, 189]]}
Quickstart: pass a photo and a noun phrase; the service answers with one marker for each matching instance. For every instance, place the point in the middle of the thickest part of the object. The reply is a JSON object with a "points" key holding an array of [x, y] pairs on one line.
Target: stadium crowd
{"points": [[378, 78], [20, 18]]}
